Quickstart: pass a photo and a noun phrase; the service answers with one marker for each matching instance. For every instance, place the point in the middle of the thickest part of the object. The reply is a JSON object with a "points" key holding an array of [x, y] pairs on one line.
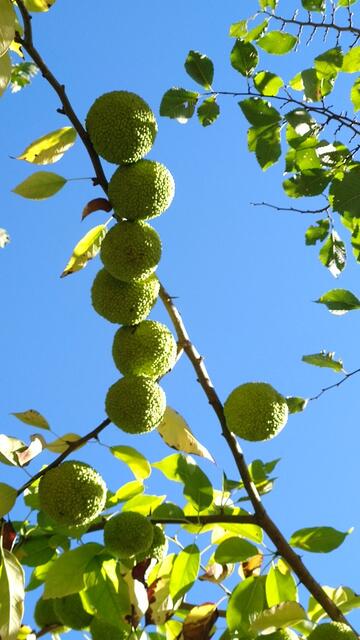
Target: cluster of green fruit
{"points": [[122, 129]]}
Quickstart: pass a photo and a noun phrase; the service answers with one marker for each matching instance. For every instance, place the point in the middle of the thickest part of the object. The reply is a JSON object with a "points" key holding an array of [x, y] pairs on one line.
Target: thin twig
{"points": [[336, 384], [349, 28], [293, 209]]}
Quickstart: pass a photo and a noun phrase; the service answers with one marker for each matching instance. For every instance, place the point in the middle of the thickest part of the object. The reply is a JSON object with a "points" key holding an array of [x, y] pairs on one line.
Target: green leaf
{"points": [[309, 183], [86, 249], [329, 63], [168, 510], [315, 87], [259, 112], [277, 42], [345, 193], [318, 539], [7, 25], [303, 129], [339, 301], [5, 72], [313, 5], [179, 104], [49, 148], [40, 185], [36, 550], [351, 60], [134, 459], [355, 94], [333, 254], [344, 598], [283, 615], [185, 571], [280, 585], [296, 404], [197, 486], [12, 593], [66, 574], [32, 418], [8, 497], [238, 29], [246, 602], [268, 83], [324, 359], [126, 492], [106, 590], [244, 57], [265, 142], [21, 75], [200, 68], [38, 5], [144, 504], [256, 32], [208, 112], [267, 4], [234, 550], [319, 232]]}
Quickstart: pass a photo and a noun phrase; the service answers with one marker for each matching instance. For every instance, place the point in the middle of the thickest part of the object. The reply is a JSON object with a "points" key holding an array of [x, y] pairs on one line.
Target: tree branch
{"points": [[336, 384], [197, 520], [349, 28], [292, 209]]}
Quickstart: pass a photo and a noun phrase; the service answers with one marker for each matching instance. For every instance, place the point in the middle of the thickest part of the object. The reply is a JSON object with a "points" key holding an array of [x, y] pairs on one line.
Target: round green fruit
{"points": [[131, 251], [255, 411], [158, 547], [123, 302], [121, 126], [127, 534], [135, 404], [147, 348], [101, 630], [72, 493], [281, 634], [332, 631], [142, 190], [70, 611], [45, 614]]}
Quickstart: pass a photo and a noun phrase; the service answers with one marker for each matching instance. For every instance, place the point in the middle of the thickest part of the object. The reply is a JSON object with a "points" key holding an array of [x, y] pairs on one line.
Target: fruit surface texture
{"points": [[135, 404], [332, 631], [128, 533], [148, 348]]}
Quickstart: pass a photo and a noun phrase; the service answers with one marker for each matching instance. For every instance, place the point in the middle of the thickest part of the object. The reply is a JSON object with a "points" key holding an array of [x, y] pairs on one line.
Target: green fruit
{"points": [[123, 302], [70, 611], [255, 411], [101, 630], [121, 127], [44, 613], [72, 493], [128, 533], [158, 548], [131, 251], [332, 631], [281, 634], [136, 404], [148, 348], [142, 190]]}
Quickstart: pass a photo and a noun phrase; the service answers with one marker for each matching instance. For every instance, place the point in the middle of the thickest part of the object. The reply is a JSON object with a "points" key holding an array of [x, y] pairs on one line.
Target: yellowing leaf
{"points": [[11, 595], [9, 448], [61, 444], [135, 460], [286, 614], [176, 433], [85, 250], [40, 185], [5, 72], [39, 5], [50, 148], [199, 622], [161, 604], [7, 25], [33, 418], [8, 497]]}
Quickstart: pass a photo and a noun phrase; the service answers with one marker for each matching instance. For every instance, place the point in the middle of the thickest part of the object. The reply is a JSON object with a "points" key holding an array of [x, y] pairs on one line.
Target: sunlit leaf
{"points": [[197, 486], [21, 75], [12, 595], [345, 193], [37, 444], [5, 72], [351, 60], [66, 574], [259, 112], [234, 550], [106, 590], [199, 622], [40, 185], [7, 25], [277, 42], [244, 57], [339, 301], [319, 232], [8, 449], [313, 5], [324, 359], [86, 249], [62, 443], [8, 497], [134, 460], [246, 602], [200, 68], [179, 104], [185, 571], [38, 5], [283, 615], [280, 586], [296, 404], [318, 539], [268, 83], [33, 418], [177, 434], [208, 112], [144, 504], [344, 598], [126, 492], [49, 148]]}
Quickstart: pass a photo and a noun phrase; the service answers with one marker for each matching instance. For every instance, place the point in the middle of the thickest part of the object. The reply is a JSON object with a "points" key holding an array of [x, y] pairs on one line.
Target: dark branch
{"points": [[336, 384], [292, 209], [349, 28]]}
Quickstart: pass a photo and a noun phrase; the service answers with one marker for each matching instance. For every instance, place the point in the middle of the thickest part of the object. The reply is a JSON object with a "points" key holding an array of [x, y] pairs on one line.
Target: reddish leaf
{"points": [[98, 204], [8, 535]]}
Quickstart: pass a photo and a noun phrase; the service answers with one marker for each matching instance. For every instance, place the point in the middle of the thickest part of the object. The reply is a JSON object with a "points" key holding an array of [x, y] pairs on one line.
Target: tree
{"points": [[299, 119]]}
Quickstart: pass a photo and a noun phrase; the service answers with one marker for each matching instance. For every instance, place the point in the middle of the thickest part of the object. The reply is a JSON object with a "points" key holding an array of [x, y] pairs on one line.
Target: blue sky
{"points": [[244, 281]]}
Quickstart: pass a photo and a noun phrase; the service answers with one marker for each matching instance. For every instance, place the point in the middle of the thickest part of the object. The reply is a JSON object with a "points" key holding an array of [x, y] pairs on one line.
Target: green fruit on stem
{"points": [[44, 613], [131, 251], [158, 547], [127, 534], [332, 631], [141, 191], [123, 302], [255, 411], [147, 348], [135, 404], [70, 611], [121, 126], [72, 493]]}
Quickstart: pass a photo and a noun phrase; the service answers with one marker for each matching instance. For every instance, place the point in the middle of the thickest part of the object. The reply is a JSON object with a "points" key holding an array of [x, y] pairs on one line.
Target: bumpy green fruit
{"points": [[148, 348], [121, 127], [101, 630], [123, 302], [44, 613], [158, 548], [281, 634], [131, 251], [72, 493], [128, 533], [142, 190], [332, 631], [70, 611], [255, 411], [136, 404]]}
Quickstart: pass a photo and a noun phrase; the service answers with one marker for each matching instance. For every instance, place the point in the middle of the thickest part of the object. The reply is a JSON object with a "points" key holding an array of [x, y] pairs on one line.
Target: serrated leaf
{"points": [[268, 83], [49, 148], [280, 586], [200, 68], [296, 404], [185, 571], [12, 594], [308, 183], [66, 574], [244, 57], [138, 464], [283, 615], [324, 359], [277, 42], [234, 549], [86, 249], [208, 112], [5, 72], [40, 185], [179, 103], [21, 75], [4, 238], [32, 418], [318, 232], [38, 5], [246, 602], [339, 301], [329, 63], [345, 193], [7, 25], [62, 443], [177, 434], [318, 539], [8, 497]]}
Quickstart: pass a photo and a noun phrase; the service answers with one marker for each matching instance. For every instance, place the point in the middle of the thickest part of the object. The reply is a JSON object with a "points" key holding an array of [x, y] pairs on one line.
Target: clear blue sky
{"points": [[243, 278]]}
